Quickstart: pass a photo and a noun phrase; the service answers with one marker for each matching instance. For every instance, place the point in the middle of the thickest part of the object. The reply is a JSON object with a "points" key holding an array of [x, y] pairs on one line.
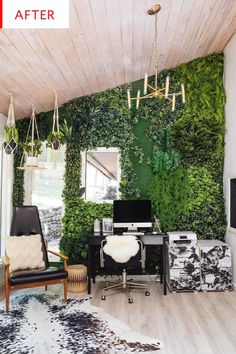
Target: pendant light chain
{"points": [[155, 51]]}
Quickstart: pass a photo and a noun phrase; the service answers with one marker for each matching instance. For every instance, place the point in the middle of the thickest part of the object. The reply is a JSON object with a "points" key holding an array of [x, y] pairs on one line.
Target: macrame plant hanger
{"points": [[55, 124], [11, 144], [56, 145], [29, 162]]}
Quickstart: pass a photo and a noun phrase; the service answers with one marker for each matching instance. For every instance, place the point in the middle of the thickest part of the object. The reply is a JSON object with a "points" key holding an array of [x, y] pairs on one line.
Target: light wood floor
{"points": [[186, 323]]}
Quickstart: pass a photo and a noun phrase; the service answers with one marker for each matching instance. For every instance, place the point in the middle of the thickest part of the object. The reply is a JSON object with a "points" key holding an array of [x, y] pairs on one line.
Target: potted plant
{"points": [[32, 152], [11, 139], [58, 138], [54, 140]]}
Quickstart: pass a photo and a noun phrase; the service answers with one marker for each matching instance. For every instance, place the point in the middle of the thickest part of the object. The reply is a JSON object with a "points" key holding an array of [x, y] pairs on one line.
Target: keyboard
{"points": [[133, 233]]}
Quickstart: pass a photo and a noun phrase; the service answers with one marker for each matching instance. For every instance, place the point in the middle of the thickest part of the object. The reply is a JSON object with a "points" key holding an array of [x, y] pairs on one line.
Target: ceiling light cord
{"points": [[155, 51]]}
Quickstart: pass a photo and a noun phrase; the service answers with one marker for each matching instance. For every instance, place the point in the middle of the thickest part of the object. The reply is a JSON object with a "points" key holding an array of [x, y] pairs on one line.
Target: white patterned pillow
{"points": [[24, 252]]}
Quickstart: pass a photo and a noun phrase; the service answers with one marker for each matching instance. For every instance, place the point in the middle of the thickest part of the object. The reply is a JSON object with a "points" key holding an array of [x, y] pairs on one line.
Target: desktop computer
{"points": [[132, 217]]}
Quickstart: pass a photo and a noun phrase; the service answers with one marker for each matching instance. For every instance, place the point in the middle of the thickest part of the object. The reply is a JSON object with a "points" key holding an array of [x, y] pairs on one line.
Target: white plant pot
{"points": [[31, 161]]}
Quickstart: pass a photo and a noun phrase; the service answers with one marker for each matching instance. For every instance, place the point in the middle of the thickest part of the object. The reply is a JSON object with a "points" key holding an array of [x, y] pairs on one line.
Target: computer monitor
{"points": [[132, 214]]}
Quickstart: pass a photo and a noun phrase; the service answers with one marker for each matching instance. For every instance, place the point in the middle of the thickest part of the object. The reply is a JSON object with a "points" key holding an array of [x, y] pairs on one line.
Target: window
{"points": [[44, 189], [101, 174], [47, 184]]}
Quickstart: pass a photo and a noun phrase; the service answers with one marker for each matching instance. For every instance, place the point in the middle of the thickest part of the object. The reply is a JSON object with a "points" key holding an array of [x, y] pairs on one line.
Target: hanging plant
{"points": [[11, 132], [61, 137], [54, 140], [32, 147], [36, 151], [11, 139], [60, 134], [32, 152]]}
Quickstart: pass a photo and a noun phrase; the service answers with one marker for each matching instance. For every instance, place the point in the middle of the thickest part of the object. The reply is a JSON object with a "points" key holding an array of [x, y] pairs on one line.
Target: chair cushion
{"points": [[121, 248], [25, 221], [51, 273], [26, 271], [24, 252]]}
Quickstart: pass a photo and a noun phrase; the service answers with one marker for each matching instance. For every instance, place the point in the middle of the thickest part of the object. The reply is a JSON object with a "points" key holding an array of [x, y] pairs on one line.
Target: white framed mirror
{"points": [[101, 174]]}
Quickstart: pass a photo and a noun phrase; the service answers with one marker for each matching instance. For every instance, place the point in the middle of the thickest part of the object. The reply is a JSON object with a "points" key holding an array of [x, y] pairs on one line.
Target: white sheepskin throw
{"points": [[121, 248]]}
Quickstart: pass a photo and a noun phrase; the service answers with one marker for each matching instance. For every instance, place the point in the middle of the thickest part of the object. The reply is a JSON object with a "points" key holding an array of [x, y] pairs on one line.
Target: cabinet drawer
{"points": [[217, 256], [219, 280], [183, 251], [192, 262], [183, 257], [183, 279]]}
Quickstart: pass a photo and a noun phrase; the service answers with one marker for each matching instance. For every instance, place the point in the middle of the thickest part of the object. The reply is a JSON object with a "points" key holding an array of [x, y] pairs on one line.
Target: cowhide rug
{"points": [[45, 324]]}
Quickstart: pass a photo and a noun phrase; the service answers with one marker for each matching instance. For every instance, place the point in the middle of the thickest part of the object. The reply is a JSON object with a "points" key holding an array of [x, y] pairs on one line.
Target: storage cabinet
{"points": [[216, 272], [184, 267], [203, 265]]}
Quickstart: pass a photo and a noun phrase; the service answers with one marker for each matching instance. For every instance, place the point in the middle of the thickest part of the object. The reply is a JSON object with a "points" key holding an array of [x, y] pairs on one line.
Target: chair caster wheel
{"points": [[147, 293], [103, 297], [130, 301]]}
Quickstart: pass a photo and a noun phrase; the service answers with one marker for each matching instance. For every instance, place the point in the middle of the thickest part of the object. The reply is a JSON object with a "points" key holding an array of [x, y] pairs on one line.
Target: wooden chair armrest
{"points": [[6, 261], [58, 254]]}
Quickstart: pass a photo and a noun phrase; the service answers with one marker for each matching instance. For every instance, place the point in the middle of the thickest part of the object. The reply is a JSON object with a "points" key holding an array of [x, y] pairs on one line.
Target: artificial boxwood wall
{"points": [[173, 158]]}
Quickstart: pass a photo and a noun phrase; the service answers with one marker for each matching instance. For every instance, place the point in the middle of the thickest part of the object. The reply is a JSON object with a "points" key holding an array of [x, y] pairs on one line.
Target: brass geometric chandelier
{"points": [[150, 91]]}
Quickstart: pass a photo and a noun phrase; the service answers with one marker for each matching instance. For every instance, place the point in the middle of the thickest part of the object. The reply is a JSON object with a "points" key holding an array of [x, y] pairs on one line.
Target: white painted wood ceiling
{"points": [[109, 43]]}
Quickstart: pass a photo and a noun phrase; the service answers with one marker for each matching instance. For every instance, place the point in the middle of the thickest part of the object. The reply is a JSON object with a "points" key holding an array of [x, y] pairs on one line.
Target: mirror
{"points": [[101, 175]]}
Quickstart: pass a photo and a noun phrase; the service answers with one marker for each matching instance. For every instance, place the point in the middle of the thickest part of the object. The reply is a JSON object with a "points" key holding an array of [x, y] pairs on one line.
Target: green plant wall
{"points": [[182, 177]]}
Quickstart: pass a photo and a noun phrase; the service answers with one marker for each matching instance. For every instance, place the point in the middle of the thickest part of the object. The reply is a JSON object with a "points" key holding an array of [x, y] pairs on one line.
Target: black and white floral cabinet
{"points": [[216, 265], [205, 265]]}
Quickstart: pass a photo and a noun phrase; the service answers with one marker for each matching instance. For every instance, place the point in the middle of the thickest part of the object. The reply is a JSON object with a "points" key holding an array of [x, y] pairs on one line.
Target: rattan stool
{"points": [[77, 278]]}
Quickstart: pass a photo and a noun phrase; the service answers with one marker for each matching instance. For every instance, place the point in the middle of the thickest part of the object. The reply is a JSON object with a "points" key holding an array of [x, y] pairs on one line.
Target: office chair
{"points": [[121, 253], [26, 222]]}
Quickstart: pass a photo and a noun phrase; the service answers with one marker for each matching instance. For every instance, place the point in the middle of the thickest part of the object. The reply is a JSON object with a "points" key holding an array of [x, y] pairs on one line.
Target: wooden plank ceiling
{"points": [[109, 42]]}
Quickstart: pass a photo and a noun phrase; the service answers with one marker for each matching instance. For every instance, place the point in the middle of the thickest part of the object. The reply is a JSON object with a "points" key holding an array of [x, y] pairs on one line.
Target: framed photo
{"points": [[107, 226]]}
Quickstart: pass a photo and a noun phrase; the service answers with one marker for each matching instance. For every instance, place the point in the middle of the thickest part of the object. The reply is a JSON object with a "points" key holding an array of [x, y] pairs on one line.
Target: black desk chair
{"points": [[26, 222], [111, 260]]}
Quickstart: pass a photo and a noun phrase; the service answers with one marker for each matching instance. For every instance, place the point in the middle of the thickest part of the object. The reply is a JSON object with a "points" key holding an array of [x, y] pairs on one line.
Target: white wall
{"points": [[7, 179], [230, 137], [7, 183]]}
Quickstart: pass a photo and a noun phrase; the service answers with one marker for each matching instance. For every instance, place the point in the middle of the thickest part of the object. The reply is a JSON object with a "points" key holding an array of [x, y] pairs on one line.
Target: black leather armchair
{"points": [[26, 221]]}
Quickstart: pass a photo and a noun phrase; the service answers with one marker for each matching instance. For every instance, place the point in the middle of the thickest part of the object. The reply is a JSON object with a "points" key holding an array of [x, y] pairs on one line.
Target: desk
{"points": [[148, 240]]}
